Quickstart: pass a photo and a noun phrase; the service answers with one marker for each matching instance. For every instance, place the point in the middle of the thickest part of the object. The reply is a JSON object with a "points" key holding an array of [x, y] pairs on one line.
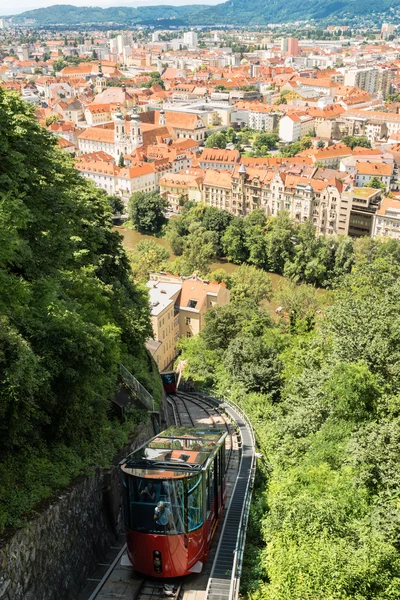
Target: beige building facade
{"points": [[178, 309], [322, 201]]}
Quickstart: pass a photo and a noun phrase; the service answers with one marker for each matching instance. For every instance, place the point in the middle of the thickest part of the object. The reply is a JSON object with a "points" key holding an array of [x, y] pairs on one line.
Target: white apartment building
{"points": [[190, 39], [264, 121], [366, 170], [387, 219], [289, 128], [373, 80], [292, 127]]}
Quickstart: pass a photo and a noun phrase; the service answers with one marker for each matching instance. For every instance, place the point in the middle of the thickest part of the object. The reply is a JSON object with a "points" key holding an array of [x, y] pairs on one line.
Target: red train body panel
{"points": [[177, 554], [174, 495]]}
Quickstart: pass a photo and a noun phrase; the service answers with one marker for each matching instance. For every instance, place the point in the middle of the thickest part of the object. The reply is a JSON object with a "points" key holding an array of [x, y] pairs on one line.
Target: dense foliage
{"points": [[216, 140], [353, 141], [147, 212], [69, 314], [202, 234], [322, 388]]}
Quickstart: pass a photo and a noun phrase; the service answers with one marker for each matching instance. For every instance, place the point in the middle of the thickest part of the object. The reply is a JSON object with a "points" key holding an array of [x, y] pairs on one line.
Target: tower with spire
{"points": [[100, 84], [161, 120], [125, 141], [121, 139], [136, 129]]}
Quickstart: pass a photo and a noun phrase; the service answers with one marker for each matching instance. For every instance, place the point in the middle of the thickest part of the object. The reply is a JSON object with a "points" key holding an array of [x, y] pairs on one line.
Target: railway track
{"points": [[154, 590], [221, 575]]}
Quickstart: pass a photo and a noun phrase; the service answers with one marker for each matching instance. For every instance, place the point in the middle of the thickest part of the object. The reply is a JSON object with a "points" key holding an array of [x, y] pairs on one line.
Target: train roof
{"points": [[175, 452]]}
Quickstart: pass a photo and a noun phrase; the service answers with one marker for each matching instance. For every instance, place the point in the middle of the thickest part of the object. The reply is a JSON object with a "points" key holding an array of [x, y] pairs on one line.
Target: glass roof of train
{"points": [[175, 449]]}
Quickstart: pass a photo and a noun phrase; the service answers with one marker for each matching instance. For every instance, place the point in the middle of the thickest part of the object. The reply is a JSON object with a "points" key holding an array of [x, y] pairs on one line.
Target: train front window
{"points": [[155, 506]]}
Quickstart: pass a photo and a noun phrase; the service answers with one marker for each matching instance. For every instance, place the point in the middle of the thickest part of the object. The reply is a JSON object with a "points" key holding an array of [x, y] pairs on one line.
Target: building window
{"points": [[187, 320], [188, 334], [192, 304]]}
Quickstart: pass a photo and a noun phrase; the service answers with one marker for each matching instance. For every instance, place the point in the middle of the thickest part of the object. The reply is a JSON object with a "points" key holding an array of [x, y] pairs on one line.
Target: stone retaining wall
{"points": [[51, 556]]}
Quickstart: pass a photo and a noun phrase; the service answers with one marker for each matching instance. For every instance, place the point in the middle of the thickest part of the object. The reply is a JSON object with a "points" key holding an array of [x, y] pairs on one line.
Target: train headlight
{"points": [[157, 561]]}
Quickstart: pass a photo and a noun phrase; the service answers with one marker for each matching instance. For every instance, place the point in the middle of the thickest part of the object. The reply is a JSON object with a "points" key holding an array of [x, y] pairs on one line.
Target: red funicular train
{"points": [[174, 492], [168, 379]]}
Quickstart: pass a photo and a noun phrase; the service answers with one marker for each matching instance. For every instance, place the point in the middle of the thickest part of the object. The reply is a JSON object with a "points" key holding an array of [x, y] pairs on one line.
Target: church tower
{"points": [[136, 129], [161, 120], [121, 140], [100, 85]]}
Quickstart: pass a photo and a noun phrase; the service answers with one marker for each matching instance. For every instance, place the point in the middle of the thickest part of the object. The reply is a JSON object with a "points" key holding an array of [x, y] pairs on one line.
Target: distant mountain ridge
{"points": [[67, 14], [233, 12]]}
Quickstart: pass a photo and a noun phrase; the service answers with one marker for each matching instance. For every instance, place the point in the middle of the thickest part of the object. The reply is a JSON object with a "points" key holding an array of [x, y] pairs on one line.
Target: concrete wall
{"points": [[51, 556]]}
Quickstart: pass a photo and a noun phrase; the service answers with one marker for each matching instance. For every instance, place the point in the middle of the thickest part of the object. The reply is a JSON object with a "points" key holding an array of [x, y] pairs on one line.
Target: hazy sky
{"points": [[10, 7]]}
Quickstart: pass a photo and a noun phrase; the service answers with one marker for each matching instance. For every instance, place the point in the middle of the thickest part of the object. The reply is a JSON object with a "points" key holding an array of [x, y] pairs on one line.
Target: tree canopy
{"points": [[323, 394], [216, 140], [353, 141], [147, 212], [69, 312], [277, 244]]}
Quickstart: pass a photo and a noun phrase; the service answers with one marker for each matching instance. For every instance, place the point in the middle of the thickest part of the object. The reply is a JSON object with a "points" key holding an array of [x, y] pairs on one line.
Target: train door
{"points": [[213, 501], [216, 484]]}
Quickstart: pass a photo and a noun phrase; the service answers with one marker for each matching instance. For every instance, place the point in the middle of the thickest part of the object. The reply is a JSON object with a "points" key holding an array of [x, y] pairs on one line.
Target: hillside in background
{"points": [[234, 12], [66, 14]]}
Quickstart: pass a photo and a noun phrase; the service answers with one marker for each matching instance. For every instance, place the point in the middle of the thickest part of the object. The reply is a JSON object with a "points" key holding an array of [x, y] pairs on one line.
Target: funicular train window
{"points": [[156, 506], [210, 487], [222, 462], [195, 504]]}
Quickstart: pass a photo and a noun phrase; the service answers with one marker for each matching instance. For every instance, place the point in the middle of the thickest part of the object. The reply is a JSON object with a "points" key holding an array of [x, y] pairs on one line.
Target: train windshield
{"points": [[195, 505], [155, 506]]}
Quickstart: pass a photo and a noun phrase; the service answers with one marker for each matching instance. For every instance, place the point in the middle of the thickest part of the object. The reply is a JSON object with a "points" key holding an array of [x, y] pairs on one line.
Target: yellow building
{"points": [[165, 321], [178, 309]]}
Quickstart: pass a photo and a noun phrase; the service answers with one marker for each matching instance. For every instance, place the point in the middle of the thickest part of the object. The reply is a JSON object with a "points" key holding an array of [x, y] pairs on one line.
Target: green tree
{"points": [[69, 314], [216, 140], [278, 241], [146, 257], [121, 161], [300, 302], [233, 242], [305, 142], [147, 212], [254, 362], [267, 140], [175, 234], [58, 65], [254, 238], [224, 323], [218, 221], [117, 204], [312, 257], [199, 249], [290, 150], [250, 283], [51, 119], [376, 183], [352, 141], [231, 136]]}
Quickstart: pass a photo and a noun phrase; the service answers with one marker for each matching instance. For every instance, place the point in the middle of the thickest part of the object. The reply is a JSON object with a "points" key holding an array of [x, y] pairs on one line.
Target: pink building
{"points": [[293, 47]]}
